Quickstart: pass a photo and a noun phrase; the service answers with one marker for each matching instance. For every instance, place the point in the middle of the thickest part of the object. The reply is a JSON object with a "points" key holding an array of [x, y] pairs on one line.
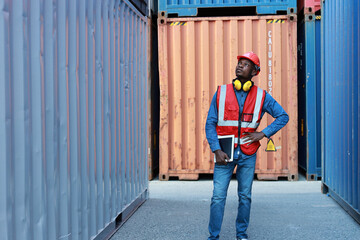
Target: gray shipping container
{"points": [[73, 117]]}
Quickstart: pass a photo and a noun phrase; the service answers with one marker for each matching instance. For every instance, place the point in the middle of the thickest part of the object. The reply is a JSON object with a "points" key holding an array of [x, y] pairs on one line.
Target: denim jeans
{"points": [[222, 176]]}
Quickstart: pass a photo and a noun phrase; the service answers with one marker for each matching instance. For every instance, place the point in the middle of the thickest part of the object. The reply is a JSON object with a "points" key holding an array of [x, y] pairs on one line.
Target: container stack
{"points": [[340, 103], [199, 53], [73, 146], [309, 87]]}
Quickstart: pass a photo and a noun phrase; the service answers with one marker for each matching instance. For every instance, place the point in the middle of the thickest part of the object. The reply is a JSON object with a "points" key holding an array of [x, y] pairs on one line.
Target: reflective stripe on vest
{"points": [[257, 114], [242, 141]]}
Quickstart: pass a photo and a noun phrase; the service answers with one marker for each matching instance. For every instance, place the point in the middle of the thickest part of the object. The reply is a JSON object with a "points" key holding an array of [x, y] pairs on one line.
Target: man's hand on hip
{"points": [[253, 136], [221, 157]]}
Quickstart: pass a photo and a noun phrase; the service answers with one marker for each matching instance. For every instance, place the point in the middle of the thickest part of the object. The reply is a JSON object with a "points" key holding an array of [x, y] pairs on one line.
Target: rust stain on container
{"points": [[196, 57]]}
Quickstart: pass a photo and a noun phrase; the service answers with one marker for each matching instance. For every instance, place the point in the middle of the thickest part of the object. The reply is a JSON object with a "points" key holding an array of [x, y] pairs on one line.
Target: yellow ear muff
{"points": [[247, 86], [237, 85]]}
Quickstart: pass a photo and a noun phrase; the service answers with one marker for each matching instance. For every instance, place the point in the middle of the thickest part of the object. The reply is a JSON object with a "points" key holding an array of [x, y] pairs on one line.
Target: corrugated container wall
{"points": [[73, 148], [341, 102], [192, 7], [197, 55], [309, 89]]}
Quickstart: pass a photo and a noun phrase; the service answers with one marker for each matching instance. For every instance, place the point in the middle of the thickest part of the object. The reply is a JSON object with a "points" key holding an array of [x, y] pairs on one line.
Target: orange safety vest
{"points": [[229, 112]]}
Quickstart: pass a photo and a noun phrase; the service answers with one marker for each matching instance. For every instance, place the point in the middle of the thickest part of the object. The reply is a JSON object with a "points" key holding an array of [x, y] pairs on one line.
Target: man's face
{"points": [[245, 69]]}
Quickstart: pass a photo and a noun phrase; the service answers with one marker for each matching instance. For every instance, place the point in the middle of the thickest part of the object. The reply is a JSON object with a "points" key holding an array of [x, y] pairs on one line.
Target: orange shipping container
{"points": [[198, 54]]}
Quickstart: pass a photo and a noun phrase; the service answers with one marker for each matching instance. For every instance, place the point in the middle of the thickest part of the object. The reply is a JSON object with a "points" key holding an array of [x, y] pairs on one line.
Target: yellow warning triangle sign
{"points": [[270, 146]]}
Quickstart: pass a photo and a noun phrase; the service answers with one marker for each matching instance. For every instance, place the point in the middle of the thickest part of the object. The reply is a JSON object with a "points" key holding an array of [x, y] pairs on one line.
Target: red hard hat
{"points": [[252, 57]]}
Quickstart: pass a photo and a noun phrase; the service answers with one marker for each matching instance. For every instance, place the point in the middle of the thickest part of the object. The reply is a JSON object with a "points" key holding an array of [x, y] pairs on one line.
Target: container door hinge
{"points": [[162, 17], [292, 17]]}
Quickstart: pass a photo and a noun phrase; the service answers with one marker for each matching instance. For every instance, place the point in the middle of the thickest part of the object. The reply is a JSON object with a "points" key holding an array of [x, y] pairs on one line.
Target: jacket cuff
{"points": [[215, 146], [267, 133]]}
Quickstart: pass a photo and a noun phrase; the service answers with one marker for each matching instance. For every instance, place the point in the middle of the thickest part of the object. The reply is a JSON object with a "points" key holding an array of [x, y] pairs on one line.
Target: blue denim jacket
{"points": [[270, 106]]}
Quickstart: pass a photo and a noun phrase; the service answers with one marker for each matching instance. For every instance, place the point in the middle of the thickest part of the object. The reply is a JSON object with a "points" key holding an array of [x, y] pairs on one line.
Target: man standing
{"points": [[236, 109]]}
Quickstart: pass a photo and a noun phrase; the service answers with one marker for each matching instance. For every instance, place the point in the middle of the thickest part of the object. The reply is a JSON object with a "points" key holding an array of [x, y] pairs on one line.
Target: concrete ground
{"points": [[280, 210]]}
